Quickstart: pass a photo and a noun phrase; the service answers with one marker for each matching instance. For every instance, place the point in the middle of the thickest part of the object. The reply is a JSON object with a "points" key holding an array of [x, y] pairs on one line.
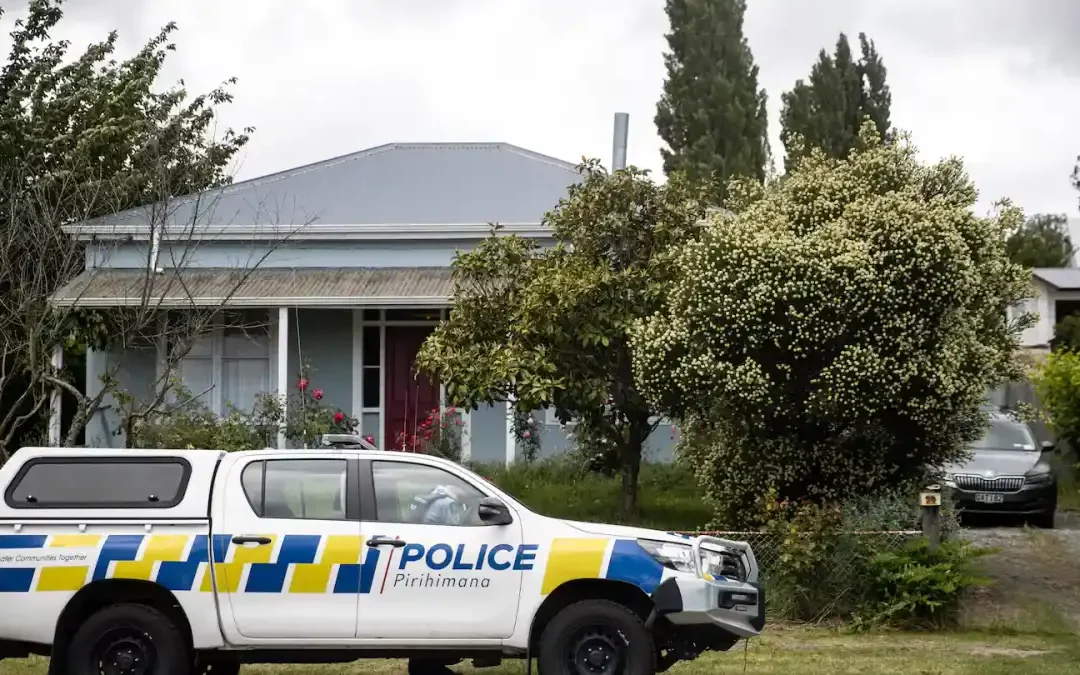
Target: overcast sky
{"points": [[994, 81]]}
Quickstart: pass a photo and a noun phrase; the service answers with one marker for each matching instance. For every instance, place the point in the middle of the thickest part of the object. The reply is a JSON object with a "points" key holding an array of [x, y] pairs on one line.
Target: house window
{"points": [[372, 350], [230, 366]]}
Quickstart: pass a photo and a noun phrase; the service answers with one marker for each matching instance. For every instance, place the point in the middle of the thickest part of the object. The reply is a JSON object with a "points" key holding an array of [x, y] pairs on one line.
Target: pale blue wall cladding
{"points": [[388, 253], [554, 440], [296, 254], [489, 434], [136, 370], [324, 342]]}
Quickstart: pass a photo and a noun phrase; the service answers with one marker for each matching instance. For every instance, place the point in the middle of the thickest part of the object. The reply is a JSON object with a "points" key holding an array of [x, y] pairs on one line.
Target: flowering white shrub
{"points": [[837, 329]]}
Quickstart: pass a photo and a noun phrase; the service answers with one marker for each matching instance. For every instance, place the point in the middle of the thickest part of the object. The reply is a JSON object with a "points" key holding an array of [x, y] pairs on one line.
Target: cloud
{"points": [[994, 81]]}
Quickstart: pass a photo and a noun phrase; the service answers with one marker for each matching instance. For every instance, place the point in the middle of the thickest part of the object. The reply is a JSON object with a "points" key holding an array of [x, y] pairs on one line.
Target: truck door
{"points": [[288, 556], [446, 576]]}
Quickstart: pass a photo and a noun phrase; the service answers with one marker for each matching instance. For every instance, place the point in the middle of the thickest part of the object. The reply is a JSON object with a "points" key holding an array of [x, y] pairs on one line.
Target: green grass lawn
{"points": [[795, 651], [669, 496]]}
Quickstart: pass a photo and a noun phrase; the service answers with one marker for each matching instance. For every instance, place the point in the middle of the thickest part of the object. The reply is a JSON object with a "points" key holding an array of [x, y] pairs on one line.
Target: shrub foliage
{"points": [[836, 331]]}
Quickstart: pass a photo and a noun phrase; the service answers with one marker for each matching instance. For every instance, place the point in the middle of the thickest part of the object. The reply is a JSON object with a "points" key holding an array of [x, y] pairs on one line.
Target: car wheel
{"points": [[1044, 521], [596, 637], [429, 667], [129, 639]]}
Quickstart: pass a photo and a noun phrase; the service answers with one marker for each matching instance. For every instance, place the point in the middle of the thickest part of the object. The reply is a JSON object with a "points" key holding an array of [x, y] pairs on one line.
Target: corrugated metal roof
{"points": [[1061, 278], [399, 183], [385, 286]]}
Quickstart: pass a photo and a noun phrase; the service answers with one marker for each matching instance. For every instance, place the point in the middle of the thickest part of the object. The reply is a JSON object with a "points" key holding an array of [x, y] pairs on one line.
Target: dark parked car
{"points": [[1008, 472]]}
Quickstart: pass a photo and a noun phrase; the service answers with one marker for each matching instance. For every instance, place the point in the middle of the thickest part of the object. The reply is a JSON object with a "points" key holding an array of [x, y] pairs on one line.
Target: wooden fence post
{"points": [[930, 504]]}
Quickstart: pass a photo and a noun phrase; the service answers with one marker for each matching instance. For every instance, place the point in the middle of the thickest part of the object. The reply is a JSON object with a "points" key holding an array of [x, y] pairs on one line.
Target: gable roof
{"points": [[1058, 278], [396, 183]]}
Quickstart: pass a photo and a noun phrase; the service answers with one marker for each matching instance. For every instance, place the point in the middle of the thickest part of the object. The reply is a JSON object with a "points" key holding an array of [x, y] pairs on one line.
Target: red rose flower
{"points": [[302, 384], [317, 394], [339, 417]]}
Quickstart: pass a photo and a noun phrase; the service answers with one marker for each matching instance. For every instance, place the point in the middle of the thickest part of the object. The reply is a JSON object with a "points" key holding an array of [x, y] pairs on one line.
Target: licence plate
{"points": [[989, 498]]}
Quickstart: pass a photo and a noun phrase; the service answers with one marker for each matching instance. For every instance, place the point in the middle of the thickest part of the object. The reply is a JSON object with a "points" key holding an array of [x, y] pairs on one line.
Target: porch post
{"points": [[55, 399], [282, 367]]}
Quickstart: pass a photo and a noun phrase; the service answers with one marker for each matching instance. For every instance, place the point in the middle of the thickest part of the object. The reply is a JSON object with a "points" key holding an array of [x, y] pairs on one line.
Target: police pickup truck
{"points": [[170, 562]]}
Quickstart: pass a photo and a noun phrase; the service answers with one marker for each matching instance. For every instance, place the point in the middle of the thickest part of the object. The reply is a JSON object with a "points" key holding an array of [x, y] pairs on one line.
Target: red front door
{"points": [[410, 397]]}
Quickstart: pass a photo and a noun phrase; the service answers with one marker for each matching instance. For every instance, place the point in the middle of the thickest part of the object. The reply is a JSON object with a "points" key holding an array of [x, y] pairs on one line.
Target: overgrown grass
{"points": [[790, 652], [669, 497], [1068, 485]]}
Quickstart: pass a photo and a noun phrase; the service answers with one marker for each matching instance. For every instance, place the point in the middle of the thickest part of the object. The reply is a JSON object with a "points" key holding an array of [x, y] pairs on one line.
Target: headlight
{"points": [[680, 557], [1040, 474]]}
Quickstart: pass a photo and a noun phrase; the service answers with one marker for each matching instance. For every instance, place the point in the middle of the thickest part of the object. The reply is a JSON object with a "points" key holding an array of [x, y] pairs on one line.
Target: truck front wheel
{"points": [[596, 637], [128, 639]]}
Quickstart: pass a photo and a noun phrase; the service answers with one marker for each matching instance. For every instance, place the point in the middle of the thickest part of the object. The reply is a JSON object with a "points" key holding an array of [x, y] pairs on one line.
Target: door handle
{"points": [[384, 541], [261, 541]]}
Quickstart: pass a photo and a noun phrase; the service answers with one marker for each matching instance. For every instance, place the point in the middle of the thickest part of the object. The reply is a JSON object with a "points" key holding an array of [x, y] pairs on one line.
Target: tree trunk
{"points": [[630, 469]]}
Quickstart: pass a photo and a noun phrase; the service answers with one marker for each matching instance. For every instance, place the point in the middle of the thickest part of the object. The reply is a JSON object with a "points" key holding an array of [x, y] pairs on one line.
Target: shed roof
{"points": [[266, 287], [397, 183]]}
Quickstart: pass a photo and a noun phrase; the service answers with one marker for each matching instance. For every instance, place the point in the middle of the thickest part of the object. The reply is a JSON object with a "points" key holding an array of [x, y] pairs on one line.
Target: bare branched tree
{"points": [[163, 304]]}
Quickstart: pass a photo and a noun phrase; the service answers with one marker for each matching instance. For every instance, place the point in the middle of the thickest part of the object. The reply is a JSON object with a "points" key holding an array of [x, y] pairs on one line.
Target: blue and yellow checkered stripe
{"points": [[292, 563], [584, 558], [181, 562]]}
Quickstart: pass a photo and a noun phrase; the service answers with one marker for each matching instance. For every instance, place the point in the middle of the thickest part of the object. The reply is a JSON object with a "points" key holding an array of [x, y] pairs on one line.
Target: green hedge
{"points": [[669, 497]]}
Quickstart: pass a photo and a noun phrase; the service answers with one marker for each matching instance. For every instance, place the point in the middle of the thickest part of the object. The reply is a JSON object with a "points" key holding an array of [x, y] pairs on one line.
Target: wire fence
{"points": [[768, 546]]}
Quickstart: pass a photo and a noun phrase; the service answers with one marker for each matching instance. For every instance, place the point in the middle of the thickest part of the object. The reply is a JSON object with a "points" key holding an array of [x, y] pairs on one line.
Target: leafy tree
{"points": [[547, 327], [1041, 241], [79, 138], [1057, 385], [1067, 334], [712, 114], [828, 111], [836, 332]]}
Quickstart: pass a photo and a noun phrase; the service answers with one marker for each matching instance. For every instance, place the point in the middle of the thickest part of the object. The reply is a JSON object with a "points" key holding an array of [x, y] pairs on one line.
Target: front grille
{"points": [[980, 484]]}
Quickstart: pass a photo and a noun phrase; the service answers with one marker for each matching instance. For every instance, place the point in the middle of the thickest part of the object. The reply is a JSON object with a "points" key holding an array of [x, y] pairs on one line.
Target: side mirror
{"points": [[1049, 446], [493, 512]]}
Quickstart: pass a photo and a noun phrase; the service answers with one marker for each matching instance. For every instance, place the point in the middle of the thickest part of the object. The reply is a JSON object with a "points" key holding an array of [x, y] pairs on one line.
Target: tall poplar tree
{"points": [[712, 113], [828, 111]]}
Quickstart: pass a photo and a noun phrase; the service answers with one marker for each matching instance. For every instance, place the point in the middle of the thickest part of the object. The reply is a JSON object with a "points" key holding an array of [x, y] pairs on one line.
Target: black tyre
{"points": [[420, 666], [129, 639], [1044, 521], [596, 637]]}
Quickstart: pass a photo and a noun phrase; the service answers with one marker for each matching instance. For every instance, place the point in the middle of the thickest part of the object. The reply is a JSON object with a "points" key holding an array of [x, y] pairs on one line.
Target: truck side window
{"points": [[406, 492], [100, 483], [306, 489]]}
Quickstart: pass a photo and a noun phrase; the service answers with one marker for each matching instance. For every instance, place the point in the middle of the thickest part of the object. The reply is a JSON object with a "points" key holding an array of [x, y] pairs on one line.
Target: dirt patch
{"points": [[1036, 581], [982, 650]]}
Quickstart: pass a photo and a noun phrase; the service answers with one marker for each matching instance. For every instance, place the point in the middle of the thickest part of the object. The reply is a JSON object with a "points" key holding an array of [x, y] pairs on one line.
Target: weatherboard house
{"points": [[353, 273]]}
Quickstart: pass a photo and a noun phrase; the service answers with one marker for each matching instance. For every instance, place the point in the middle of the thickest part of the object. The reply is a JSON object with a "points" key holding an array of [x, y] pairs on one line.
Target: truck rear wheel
{"points": [[596, 637], [129, 639]]}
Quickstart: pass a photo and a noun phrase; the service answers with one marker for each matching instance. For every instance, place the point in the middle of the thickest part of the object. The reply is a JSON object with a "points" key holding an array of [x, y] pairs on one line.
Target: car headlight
{"points": [[680, 557], [1040, 474]]}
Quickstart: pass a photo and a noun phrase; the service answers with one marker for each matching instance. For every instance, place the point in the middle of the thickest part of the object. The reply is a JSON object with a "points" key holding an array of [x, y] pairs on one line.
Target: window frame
{"points": [[181, 490], [214, 399], [369, 510], [353, 493]]}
